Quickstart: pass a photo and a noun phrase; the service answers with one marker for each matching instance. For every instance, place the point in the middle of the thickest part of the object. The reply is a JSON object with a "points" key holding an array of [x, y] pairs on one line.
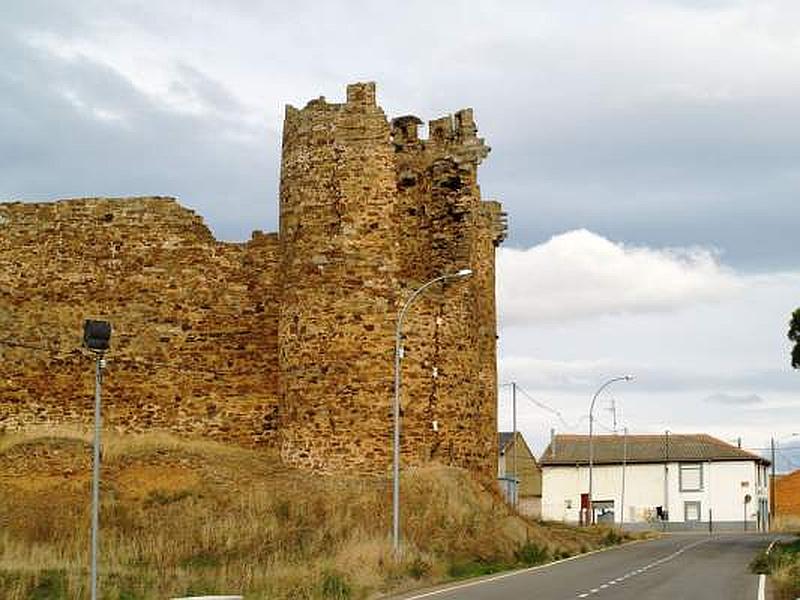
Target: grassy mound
{"points": [[185, 517], [782, 564]]}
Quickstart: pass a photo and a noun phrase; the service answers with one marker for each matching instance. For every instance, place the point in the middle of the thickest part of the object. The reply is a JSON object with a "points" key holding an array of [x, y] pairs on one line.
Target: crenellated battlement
{"points": [[361, 94], [360, 97], [456, 134]]}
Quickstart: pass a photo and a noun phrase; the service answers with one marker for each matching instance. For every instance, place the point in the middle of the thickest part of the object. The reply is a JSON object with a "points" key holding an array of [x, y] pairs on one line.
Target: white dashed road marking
{"points": [[641, 570]]}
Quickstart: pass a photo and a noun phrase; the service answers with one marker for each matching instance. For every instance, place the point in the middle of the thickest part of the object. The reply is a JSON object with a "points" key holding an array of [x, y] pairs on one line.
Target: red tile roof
{"points": [[610, 449]]}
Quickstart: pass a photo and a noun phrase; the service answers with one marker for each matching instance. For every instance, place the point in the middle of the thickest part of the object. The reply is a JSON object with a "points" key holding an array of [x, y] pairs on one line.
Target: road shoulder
{"points": [[433, 591]]}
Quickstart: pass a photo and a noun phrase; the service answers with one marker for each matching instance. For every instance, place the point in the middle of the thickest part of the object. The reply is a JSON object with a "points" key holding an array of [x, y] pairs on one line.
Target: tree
{"points": [[794, 335]]}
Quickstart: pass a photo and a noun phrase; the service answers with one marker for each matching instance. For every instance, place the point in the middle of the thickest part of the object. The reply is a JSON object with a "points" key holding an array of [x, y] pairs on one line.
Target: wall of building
{"points": [[725, 484], [288, 339], [338, 283], [369, 213], [528, 471], [443, 225], [787, 494], [195, 320]]}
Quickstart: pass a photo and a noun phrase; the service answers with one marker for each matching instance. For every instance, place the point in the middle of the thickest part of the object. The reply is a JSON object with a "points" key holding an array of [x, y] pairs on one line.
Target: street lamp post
{"points": [[96, 337], [591, 431], [624, 465], [398, 355]]}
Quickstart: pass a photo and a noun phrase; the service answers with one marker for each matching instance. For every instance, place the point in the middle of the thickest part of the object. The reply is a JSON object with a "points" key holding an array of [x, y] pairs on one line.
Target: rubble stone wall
{"points": [[288, 339], [194, 344]]}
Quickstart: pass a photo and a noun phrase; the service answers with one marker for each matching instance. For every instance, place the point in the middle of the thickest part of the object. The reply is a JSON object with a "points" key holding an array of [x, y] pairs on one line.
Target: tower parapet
{"points": [[368, 213], [338, 281]]}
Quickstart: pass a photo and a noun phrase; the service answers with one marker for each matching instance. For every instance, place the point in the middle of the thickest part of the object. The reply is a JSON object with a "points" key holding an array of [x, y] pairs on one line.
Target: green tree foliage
{"points": [[794, 335]]}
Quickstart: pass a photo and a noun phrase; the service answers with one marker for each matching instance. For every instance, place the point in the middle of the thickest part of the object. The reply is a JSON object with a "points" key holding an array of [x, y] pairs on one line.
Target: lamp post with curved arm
{"points": [[398, 355], [591, 431]]}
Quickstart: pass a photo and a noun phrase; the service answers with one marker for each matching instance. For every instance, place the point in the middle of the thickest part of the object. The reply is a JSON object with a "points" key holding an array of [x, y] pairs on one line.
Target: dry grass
{"points": [[789, 523], [185, 517], [782, 564]]}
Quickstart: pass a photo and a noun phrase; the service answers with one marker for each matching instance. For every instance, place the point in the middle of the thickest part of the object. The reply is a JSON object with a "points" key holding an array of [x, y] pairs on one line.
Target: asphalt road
{"points": [[677, 567]]}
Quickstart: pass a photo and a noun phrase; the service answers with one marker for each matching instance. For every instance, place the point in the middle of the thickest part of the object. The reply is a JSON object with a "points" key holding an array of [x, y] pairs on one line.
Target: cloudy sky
{"points": [[648, 154]]}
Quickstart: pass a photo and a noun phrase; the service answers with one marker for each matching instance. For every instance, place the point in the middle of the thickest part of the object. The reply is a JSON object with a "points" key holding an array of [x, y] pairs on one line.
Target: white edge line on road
{"points": [[518, 572], [762, 579], [771, 545]]}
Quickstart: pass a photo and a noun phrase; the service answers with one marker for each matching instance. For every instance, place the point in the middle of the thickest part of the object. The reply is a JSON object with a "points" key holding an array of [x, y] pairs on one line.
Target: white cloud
{"points": [[581, 274], [679, 359], [734, 399]]}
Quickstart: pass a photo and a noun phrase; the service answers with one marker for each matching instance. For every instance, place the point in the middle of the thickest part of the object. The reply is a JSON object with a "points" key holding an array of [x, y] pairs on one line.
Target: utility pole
{"points": [[624, 464], [666, 475], [514, 419], [772, 484]]}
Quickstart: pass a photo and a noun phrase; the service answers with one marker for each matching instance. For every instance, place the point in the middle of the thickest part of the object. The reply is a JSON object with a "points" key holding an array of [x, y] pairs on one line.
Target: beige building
{"points": [[519, 474]]}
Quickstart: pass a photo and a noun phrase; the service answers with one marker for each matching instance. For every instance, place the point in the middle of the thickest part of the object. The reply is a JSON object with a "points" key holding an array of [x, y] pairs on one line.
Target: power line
{"points": [[790, 461], [542, 405]]}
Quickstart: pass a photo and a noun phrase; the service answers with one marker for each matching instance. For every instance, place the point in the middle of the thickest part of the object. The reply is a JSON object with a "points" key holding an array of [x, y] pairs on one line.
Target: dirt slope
{"points": [[181, 517]]}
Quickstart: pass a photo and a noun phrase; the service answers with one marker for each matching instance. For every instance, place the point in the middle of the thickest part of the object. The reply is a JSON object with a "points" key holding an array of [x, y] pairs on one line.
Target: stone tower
{"points": [[368, 213]]}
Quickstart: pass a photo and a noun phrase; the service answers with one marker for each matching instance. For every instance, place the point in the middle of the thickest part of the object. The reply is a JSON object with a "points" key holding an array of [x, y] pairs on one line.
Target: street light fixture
{"points": [[97, 338], [398, 355], [591, 431]]}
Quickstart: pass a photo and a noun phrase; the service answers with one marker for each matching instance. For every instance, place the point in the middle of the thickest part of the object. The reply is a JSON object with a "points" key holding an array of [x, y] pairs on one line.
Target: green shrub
{"points": [[530, 554], [334, 585], [419, 568], [50, 585], [475, 568], [612, 538]]}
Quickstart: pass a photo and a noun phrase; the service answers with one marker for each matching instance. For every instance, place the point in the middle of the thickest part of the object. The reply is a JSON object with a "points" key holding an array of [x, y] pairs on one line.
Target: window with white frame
{"points": [[691, 511], [691, 477]]}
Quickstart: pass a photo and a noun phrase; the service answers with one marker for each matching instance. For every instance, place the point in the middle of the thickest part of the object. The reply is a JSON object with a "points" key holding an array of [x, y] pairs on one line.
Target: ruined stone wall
{"points": [[449, 370], [368, 214], [194, 346], [288, 339], [337, 283]]}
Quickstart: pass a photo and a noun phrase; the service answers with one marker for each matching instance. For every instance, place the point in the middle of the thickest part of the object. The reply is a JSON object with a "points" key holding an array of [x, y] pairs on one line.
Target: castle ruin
{"points": [[286, 340]]}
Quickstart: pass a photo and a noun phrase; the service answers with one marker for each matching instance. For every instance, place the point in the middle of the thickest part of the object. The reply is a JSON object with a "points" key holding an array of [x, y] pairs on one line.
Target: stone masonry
{"points": [[286, 340]]}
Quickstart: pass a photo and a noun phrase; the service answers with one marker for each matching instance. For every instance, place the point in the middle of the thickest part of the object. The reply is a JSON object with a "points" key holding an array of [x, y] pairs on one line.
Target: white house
{"points": [[666, 481]]}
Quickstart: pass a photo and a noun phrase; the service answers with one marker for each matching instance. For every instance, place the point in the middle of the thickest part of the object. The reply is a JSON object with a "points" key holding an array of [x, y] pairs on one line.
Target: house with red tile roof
{"points": [[668, 481]]}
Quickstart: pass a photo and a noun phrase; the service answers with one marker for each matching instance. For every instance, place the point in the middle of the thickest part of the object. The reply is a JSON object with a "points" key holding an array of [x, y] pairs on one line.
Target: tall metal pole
{"points": [[514, 418], [665, 512], [614, 414], [624, 464], [591, 432], [98, 382], [398, 349], [772, 484], [398, 355]]}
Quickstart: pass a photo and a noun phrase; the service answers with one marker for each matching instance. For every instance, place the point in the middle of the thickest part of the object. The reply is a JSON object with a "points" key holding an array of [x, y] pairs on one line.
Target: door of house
{"points": [[604, 511]]}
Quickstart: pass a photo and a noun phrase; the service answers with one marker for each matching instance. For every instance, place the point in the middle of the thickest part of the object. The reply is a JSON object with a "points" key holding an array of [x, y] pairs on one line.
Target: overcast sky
{"points": [[648, 154]]}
